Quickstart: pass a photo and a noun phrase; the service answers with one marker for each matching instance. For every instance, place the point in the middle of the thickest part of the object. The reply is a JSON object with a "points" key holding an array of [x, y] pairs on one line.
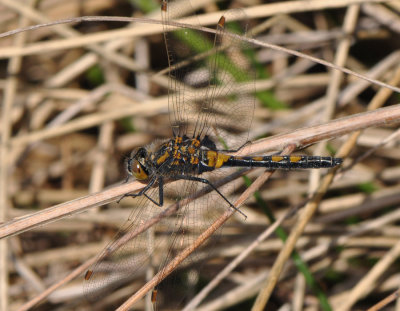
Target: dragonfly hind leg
{"points": [[238, 149], [207, 182], [209, 143]]}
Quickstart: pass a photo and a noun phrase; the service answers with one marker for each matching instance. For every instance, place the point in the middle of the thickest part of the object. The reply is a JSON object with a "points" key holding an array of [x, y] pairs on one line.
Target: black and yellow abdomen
{"points": [[214, 160]]}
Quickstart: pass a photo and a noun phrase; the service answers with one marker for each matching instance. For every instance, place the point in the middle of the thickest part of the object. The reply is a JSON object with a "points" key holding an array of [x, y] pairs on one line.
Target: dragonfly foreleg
{"points": [[146, 188]]}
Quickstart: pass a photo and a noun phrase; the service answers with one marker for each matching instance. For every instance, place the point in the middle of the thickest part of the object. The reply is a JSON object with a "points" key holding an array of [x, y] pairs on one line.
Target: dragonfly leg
{"points": [[238, 149], [207, 182], [207, 141], [145, 189]]}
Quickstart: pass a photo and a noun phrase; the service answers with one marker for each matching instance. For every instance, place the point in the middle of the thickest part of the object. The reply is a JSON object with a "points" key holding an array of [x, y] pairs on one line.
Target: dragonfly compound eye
{"points": [[138, 171]]}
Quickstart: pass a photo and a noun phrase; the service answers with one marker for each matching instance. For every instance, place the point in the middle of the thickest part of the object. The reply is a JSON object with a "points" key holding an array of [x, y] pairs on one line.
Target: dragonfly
{"points": [[210, 107]]}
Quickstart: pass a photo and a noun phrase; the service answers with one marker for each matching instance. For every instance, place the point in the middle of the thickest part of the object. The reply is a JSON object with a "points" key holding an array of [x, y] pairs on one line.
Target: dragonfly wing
{"points": [[211, 80]]}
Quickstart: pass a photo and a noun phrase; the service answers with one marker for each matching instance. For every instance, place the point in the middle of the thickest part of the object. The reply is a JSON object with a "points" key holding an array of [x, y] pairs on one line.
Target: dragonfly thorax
{"points": [[176, 156]]}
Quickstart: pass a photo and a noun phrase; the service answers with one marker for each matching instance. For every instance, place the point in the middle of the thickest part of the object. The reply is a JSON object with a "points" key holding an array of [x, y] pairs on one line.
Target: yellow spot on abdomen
{"points": [[276, 158], [216, 159], [211, 157], [295, 158], [221, 159]]}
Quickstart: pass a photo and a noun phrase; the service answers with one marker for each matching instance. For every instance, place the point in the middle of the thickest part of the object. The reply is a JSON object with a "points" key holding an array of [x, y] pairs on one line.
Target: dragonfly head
{"points": [[135, 164]]}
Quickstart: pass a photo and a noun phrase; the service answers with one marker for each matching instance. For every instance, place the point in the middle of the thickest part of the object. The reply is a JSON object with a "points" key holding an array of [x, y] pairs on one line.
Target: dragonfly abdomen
{"points": [[283, 162]]}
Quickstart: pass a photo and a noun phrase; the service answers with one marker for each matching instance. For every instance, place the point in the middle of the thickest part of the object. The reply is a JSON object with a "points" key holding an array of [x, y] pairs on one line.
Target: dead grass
{"points": [[77, 98]]}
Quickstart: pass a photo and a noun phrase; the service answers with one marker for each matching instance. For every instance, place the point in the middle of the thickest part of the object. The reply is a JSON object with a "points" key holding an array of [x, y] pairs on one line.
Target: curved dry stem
{"points": [[76, 42], [299, 138], [304, 137]]}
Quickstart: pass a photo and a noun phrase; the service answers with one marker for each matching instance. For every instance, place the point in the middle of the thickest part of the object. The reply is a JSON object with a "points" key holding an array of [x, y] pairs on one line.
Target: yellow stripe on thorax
{"points": [[162, 159]]}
